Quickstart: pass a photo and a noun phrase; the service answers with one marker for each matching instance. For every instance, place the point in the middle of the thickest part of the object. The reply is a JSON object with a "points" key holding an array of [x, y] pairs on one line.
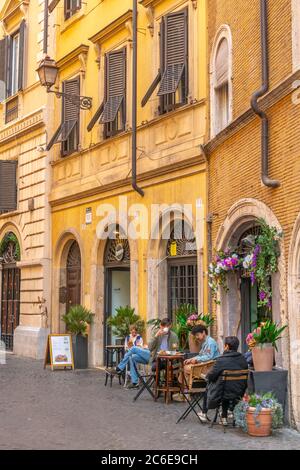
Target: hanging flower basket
{"points": [[260, 262]]}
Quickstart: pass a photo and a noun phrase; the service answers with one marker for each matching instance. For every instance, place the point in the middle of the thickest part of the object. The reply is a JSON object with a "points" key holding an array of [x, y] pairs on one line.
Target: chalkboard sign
{"points": [[59, 352]]}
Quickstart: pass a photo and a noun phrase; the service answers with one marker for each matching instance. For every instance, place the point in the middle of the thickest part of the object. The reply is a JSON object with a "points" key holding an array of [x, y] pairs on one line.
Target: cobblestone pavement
{"points": [[41, 409]]}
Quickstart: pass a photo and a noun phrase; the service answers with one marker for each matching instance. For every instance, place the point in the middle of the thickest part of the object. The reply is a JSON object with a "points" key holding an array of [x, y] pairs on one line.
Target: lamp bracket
{"points": [[82, 102]]}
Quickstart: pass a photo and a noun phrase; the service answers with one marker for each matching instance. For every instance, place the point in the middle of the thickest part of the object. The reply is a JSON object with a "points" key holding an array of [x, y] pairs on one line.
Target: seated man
{"points": [[230, 360], [164, 340], [208, 352], [134, 355]]}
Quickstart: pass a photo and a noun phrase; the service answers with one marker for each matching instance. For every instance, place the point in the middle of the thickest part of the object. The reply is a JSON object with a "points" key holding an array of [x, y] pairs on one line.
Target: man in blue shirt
{"points": [[208, 352]]}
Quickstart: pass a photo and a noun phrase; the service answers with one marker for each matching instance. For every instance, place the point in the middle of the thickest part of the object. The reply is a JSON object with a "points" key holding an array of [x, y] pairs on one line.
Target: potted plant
{"points": [[263, 342], [259, 414], [121, 321], [77, 320]]}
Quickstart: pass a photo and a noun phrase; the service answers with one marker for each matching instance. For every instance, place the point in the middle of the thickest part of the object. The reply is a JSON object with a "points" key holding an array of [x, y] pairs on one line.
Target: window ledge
{"points": [[10, 214]]}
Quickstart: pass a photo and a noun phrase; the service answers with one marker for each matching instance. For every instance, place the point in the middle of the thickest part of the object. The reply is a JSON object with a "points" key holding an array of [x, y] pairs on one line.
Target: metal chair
{"points": [[196, 389], [146, 381], [230, 376]]}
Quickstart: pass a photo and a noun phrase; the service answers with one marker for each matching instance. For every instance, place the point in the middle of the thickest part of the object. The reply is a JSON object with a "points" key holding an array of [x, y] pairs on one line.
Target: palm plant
{"points": [[77, 320], [121, 321], [181, 327]]}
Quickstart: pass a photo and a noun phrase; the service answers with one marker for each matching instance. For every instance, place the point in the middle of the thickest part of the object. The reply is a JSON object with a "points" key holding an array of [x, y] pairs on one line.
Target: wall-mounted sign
{"points": [[173, 248], [119, 252], [59, 352], [88, 215]]}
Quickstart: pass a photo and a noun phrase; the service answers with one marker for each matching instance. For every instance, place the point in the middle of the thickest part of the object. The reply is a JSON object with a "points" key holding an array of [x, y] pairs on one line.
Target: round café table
{"points": [[171, 362]]}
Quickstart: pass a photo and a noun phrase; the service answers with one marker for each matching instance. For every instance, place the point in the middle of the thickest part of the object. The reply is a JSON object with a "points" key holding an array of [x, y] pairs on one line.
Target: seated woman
{"points": [[135, 354], [133, 339]]}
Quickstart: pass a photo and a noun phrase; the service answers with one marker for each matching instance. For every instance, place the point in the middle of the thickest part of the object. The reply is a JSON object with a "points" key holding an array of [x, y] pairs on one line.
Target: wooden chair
{"points": [[230, 376], [196, 388]]}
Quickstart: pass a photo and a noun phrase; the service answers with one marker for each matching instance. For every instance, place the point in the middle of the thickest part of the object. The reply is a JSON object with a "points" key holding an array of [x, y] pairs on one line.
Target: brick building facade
{"points": [[237, 195]]}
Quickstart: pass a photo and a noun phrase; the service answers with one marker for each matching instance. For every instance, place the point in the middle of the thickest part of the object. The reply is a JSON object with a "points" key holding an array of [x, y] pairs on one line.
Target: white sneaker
{"points": [[203, 417], [223, 421]]}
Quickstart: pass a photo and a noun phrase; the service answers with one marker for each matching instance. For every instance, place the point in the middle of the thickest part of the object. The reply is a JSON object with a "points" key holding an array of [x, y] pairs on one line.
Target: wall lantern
{"points": [[48, 71]]}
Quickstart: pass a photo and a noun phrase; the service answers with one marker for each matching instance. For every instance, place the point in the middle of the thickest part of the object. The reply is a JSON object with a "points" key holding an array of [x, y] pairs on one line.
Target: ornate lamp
{"points": [[48, 71]]}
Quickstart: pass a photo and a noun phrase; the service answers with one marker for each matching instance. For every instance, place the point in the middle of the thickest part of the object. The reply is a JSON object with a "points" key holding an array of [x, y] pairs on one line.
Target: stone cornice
{"points": [[26, 124], [72, 56], [283, 89], [113, 28], [7, 12]]}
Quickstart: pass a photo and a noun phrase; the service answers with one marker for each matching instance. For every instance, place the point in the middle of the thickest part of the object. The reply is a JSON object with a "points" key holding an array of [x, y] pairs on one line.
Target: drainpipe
{"points": [[259, 93], [46, 24], [134, 100]]}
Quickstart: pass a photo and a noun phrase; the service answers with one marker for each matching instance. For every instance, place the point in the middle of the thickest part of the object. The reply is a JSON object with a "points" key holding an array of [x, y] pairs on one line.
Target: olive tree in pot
{"points": [[77, 320]]}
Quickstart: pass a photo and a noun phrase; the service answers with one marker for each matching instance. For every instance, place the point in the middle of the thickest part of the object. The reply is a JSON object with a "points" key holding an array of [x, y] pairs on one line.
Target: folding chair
{"points": [[230, 376], [146, 381], [196, 389]]}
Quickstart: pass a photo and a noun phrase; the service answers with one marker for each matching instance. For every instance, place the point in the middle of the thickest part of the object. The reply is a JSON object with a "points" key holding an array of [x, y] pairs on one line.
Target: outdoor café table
{"points": [[170, 360], [110, 351]]}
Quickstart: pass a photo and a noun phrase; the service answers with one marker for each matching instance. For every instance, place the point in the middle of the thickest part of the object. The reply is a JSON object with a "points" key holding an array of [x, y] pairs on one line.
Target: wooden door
{"points": [[10, 305], [73, 276]]}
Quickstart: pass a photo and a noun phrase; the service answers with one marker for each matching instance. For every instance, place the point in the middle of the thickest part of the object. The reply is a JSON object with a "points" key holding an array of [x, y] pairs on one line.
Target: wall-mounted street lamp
{"points": [[48, 71]]}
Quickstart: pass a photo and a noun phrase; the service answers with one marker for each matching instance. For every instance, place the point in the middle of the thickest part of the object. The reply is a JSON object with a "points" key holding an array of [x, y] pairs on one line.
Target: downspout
{"points": [[259, 93], [134, 101], [46, 27]]}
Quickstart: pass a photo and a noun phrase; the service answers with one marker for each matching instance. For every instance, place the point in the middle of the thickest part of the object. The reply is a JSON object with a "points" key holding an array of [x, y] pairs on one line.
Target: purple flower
{"points": [[252, 277], [262, 295]]}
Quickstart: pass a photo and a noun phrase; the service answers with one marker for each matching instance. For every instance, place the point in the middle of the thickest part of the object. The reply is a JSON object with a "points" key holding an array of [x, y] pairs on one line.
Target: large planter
{"points": [[80, 351], [194, 345], [259, 425], [263, 357]]}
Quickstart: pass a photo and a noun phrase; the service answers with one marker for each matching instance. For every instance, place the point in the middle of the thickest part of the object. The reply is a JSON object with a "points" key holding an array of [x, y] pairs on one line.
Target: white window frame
{"points": [[15, 59], [224, 32]]}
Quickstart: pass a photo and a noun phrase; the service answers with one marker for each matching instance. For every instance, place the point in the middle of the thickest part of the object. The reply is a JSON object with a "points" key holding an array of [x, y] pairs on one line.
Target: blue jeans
{"points": [[134, 356]]}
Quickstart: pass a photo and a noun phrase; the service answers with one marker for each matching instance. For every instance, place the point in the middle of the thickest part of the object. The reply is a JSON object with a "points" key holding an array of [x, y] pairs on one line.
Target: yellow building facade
{"points": [[25, 248], [143, 263]]}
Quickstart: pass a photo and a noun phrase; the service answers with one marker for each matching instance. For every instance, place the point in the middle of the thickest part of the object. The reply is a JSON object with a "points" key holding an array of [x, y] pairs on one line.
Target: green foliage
{"points": [[268, 332], [154, 324], [10, 238], [207, 318], [121, 321], [181, 327], [77, 320], [257, 401]]}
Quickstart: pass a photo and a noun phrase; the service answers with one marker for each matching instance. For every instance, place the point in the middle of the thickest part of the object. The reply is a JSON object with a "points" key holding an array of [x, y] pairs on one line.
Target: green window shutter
{"points": [[8, 185]]}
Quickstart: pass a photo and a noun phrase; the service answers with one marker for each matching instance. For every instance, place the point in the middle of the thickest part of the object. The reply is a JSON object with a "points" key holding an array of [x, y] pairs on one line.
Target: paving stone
{"points": [[41, 409]]}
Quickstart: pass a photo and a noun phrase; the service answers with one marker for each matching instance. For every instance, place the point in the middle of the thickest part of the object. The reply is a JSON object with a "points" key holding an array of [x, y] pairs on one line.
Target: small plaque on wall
{"points": [[88, 216]]}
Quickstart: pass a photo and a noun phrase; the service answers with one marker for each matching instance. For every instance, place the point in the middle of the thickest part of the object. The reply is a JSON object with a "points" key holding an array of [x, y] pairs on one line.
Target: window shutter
{"points": [[174, 50], [8, 185], [21, 55], [8, 65], [2, 70], [115, 84], [221, 64]]}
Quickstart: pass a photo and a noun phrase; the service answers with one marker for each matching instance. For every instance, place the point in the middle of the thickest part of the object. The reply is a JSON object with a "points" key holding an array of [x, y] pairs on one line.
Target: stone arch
{"points": [[98, 287], [239, 218], [157, 301], [12, 227], [294, 318], [61, 252]]}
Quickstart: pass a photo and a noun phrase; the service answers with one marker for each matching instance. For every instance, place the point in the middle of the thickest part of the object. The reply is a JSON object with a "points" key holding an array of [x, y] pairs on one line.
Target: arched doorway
{"points": [[73, 276], [117, 277], [10, 288], [182, 268]]}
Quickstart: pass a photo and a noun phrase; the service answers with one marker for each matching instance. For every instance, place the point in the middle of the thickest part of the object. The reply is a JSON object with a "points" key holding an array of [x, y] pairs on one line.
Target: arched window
{"points": [[221, 83]]}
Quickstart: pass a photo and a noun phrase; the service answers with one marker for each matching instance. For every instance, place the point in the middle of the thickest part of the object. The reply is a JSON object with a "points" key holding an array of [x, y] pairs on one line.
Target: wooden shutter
{"points": [[115, 84], [8, 65], [52, 5], [2, 70], [8, 185], [70, 116], [174, 50], [21, 55]]}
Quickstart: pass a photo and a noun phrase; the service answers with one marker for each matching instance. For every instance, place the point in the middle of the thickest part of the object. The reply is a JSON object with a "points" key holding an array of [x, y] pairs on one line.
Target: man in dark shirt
{"points": [[231, 359]]}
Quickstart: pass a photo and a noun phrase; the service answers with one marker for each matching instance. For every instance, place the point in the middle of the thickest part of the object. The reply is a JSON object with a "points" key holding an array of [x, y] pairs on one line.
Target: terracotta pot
{"points": [[263, 357], [194, 345], [260, 425]]}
